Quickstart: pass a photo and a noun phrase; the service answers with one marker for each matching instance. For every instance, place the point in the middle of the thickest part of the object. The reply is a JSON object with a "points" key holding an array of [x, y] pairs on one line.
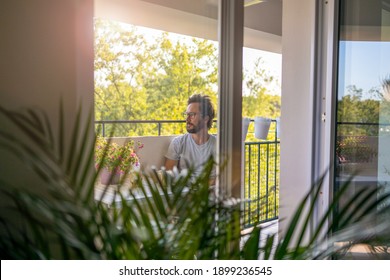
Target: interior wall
{"points": [[46, 51], [297, 106]]}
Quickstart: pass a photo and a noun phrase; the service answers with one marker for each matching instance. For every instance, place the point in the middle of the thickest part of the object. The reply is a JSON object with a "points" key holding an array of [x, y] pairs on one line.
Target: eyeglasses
{"points": [[190, 115]]}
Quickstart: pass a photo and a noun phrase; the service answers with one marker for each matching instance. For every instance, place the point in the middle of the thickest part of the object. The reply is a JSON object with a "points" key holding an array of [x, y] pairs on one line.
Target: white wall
{"points": [[46, 50], [297, 106], [152, 155]]}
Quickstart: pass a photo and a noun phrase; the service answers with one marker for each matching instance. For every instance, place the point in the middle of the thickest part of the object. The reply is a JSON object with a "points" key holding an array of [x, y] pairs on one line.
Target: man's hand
{"points": [[170, 163]]}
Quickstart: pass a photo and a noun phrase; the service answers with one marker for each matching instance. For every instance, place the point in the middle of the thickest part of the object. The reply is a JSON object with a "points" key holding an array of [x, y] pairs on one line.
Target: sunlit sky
{"points": [[363, 64], [272, 61]]}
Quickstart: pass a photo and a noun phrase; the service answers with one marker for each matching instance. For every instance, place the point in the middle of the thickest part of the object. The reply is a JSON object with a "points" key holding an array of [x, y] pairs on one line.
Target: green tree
{"points": [[181, 70], [259, 100], [353, 108], [140, 79], [120, 55]]}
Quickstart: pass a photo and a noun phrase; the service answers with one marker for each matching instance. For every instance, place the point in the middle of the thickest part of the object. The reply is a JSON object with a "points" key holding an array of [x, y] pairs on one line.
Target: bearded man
{"points": [[197, 146]]}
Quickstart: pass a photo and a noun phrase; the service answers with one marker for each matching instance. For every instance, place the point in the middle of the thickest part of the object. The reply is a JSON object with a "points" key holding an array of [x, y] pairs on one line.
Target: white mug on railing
{"points": [[262, 127]]}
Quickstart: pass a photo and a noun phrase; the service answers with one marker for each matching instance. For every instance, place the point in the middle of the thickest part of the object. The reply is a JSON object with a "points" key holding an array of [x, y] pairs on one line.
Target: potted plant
{"points": [[179, 220], [113, 160]]}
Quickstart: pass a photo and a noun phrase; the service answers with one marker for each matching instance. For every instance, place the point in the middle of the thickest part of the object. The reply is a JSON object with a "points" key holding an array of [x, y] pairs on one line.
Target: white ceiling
{"points": [[265, 16], [198, 18]]}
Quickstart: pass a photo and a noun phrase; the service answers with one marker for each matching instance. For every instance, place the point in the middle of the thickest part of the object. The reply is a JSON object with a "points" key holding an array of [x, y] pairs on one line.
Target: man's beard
{"points": [[194, 129]]}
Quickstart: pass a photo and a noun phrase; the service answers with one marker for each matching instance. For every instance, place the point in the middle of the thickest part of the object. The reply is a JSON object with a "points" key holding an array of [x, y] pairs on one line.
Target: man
{"points": [[196, 146]]}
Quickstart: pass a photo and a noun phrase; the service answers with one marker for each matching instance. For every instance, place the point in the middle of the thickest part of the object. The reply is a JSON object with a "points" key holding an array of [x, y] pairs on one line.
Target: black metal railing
{"points": [[261, 168], [261, 182], [261, 178], [158, 123]]}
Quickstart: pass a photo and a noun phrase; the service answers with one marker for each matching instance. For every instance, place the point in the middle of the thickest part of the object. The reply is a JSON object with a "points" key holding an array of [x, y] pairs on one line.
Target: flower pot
{"points": [[245, 125], [262, 127], [109, 178]]}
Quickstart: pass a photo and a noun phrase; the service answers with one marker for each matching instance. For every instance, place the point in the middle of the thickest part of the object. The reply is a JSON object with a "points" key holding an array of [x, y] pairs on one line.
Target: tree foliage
{"points": [[137, 79], [142, 79], [260, 100], [353, 108]]}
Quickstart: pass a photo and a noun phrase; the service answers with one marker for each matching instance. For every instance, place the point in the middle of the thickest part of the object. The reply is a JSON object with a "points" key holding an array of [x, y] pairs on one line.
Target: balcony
{"points": [[261, 165]]}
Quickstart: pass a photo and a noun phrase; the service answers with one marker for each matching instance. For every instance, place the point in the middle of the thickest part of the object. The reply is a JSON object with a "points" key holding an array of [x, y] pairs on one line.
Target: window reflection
{"points": [[363, 99]]}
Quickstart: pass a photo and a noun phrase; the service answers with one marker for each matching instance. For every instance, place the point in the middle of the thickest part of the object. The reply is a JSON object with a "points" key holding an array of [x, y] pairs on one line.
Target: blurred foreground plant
{"points": [[56, 215]]}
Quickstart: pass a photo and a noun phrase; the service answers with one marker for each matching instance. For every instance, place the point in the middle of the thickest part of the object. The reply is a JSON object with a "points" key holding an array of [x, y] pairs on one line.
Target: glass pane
{"points": [[150, 57], [261, 97], [363, 101], [149, 60]]}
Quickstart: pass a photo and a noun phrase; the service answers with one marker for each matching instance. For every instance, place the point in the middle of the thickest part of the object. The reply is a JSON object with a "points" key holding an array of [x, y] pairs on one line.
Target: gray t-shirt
{"points": [[184, 149]]}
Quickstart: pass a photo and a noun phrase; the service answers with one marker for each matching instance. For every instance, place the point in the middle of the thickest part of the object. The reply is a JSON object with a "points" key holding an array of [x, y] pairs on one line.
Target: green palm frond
{"points": [[56, 215]]}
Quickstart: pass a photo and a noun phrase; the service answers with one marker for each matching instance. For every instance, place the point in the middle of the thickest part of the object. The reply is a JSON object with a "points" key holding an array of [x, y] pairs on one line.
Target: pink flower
{"points": [[116, 157]]}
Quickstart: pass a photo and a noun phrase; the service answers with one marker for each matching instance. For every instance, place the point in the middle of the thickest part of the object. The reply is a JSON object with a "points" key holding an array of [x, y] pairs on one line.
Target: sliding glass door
{"points": [[363, 96]]}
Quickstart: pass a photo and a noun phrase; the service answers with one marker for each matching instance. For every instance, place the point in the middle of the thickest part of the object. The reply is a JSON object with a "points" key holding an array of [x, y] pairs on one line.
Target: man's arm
{"points": [[170, 163]]}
